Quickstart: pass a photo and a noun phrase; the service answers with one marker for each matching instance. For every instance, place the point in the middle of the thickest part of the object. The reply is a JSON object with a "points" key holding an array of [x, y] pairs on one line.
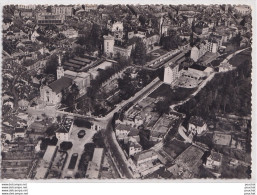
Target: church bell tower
{"points": [[60, 70]]}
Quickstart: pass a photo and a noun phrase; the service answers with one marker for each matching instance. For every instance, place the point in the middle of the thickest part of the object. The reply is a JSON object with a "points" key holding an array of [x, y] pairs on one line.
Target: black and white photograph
{"points": [[99, 92]]}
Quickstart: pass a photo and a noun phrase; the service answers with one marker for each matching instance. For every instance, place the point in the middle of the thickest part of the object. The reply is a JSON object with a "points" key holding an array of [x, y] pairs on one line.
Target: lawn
{"points": [[174, 95]]}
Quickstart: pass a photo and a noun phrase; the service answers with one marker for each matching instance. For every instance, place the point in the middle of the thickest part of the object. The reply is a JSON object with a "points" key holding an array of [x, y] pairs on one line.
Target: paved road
{"points": [[117, 155]]}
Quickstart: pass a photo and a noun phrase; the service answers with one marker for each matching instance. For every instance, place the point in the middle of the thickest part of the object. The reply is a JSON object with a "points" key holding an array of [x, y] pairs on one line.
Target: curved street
{"points": [[113, 147]]}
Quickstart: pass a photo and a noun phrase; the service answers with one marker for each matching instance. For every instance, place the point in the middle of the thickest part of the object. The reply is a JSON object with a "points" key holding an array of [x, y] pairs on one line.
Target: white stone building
{"points": [[64, 130], [171, 73], [196, 125]]}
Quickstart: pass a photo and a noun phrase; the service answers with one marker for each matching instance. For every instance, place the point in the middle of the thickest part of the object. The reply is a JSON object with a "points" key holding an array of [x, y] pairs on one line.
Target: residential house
{"points": [[89, 7], [196, 125], [34, 36], [19, 132], [49, 18], [214, 162], [134, 147], [122, 131], [116, 29], [201, 28], [233, 162], [224, 67]]}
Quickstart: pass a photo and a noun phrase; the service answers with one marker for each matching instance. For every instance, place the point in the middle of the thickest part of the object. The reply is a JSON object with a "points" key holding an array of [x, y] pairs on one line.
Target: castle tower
{"points": [[108, 45], [60, 70]]}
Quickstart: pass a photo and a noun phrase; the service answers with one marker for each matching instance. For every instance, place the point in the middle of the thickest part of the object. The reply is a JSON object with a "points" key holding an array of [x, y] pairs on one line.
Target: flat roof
{"points": [[49, 153], [72, 65], [104, 65], [77, 62], [198, 67], [82, 59], [97, 157]]}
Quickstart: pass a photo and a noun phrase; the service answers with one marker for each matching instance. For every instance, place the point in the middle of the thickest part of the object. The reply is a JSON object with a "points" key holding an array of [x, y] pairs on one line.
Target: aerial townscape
{"points": [[126, 92]]}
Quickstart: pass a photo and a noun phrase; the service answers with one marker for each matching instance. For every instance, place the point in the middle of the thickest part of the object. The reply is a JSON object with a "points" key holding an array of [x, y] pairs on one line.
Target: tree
{"points": [[172, 41], [66, 145], [51, 65], [95, 35], [49, 9], [236, 40], [140, 53], [51, 130], [162, 106], [70, 95], [82, 123], [142, 20], [79, 51]]}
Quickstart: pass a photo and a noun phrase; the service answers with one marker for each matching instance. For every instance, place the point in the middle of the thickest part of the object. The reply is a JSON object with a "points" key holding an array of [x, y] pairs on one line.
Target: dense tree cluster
{"points": [[225, 93], [103, 76], [69, 96], [139, 53], [172, 41], [92, 40], [51, 65]]}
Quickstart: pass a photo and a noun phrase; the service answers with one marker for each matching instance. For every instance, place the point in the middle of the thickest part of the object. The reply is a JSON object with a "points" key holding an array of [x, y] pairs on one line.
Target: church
{"points": [[52, 94]]}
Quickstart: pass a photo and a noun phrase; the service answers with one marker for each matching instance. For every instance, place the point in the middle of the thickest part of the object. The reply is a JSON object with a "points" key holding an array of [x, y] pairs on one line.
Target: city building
{"points": [[62, 10], [243, 9], [108, 45], [171, 73], [64, 130], [89, 7], [224, 67], [49, 18], [198, 51]]}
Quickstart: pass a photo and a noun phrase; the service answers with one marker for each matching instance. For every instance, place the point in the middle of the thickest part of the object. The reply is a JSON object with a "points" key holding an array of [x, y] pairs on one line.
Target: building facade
{"points": [[171, 73]]}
